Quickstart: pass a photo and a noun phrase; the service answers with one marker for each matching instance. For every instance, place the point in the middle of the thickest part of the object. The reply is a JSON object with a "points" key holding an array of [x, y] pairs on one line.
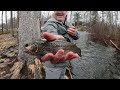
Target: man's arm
{"points": [[50, 28], [72, 31]]}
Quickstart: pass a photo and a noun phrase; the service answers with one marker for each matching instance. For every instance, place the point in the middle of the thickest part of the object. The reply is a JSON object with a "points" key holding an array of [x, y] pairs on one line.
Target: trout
{"points": [[41, 47]]}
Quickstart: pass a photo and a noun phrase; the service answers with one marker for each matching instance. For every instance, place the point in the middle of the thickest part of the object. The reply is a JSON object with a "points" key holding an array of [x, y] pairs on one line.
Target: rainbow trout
{"points": [[41, 47]]}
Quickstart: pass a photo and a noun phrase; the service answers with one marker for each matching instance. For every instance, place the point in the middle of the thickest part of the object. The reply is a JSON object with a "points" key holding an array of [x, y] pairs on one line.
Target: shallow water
{"points": [[97, 61]]}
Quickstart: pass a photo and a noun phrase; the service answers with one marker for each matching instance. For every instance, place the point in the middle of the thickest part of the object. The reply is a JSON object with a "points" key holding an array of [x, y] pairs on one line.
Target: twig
{"points": [[115, 45]]}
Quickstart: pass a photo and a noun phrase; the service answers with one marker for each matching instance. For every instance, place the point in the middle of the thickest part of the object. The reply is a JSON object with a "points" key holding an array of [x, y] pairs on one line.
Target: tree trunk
{"points": [[95, 17], [12, 32], [17, 19], [40, 19], [116, 18], [78, 17], [27, 66], [90, 19], [109, 17], [2, 22], [17, 26], [28, 30], [14, 21], [90, 16], [48, 14], [6, 20], [102, 16], [71, 17]]}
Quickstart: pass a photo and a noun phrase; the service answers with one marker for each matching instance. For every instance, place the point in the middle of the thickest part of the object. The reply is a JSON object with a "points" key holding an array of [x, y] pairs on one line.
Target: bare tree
{"points": [[6, 20], [48, 14], [95, 17], [14, 20], [116, 18], [12, 31], [77, 18], [109, 17], [40, 20], [102, 16], [17, 19], [90, 16], [70, 16], [28, 31], [2, 21], [84, 17]]}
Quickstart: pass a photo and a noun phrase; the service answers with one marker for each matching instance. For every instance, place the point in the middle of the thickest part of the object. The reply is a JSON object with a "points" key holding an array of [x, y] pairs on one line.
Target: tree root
{"points": [[13, 68], [7, 76], [37, 69], [16, 70], [20, 70]]}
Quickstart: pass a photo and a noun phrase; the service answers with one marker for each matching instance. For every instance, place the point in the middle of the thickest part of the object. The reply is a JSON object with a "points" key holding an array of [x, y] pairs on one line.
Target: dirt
{"points": [[6, 40], [8, 54]]}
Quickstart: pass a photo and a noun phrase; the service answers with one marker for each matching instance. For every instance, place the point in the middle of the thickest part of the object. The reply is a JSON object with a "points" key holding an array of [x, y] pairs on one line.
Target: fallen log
{"points": [[115, 45]]}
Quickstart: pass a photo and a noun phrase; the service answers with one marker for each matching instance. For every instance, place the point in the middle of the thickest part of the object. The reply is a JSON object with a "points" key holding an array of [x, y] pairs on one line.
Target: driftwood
{"points": [[106, 42], [115, 45]]}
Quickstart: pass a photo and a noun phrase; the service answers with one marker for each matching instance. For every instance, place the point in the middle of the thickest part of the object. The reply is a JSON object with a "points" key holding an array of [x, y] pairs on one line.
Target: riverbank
{"points": [[105, 34], [97, 61]]}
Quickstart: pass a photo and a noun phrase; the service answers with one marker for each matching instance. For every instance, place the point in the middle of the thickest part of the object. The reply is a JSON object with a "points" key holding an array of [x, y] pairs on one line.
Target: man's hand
{"points": [[50, 36], [72, 31], [60, 55]]}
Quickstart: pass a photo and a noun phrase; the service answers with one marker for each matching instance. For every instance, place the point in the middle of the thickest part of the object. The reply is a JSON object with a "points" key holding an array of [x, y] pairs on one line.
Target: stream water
{"points": [[97, 61]]}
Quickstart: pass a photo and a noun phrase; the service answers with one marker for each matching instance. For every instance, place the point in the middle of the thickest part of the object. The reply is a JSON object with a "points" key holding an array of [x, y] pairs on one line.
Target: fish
{"points": [[41, 47]]}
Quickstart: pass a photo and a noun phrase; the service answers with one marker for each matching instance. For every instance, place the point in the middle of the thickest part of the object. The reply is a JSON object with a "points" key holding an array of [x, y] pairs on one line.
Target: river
{"points": [[97, 61]]}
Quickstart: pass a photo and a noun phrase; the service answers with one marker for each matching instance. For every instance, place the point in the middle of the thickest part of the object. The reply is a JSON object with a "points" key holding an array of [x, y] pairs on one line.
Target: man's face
{"points": [[60, 15]]}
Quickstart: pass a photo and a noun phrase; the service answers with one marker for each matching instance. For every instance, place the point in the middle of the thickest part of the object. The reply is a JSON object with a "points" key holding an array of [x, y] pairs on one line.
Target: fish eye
{"points": [[26, 45]]}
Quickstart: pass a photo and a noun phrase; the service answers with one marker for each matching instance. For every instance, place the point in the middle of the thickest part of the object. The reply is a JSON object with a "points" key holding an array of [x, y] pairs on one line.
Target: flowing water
{"points": [[97, 61]]}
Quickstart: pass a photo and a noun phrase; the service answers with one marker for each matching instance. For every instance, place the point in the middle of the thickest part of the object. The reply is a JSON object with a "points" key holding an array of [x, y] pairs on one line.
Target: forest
{"points": [[101, 28]]}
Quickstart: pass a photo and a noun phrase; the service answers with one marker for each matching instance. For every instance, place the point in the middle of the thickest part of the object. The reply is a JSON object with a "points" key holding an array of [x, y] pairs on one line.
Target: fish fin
{"points": [[80, 52], [43, 39]]}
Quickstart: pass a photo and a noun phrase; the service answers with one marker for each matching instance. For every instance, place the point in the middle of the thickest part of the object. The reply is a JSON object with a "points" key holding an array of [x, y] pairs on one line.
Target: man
{"points": [[53, 29]]}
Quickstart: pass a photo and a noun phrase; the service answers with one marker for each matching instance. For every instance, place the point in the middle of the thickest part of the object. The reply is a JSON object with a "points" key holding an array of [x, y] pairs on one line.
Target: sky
{"points": [[8, 15], [45, 13]]}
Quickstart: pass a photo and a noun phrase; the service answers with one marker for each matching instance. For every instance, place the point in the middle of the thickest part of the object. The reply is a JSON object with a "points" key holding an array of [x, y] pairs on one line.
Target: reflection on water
{"points": [[97, 61]]}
